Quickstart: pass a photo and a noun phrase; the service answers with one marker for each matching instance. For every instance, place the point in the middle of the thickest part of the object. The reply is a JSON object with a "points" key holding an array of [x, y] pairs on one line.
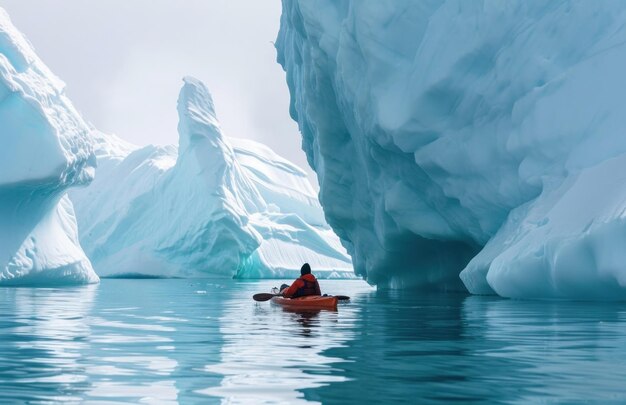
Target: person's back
{"points": [[305, 285]]}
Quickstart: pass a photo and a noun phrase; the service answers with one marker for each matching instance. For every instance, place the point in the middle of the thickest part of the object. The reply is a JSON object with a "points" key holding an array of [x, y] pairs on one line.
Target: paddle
{"points": [[264, 296], [267, 296]]}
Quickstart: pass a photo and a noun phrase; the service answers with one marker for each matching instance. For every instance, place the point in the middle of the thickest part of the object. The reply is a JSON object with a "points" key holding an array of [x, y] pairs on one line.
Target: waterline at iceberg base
{"points": [[480, 138]]}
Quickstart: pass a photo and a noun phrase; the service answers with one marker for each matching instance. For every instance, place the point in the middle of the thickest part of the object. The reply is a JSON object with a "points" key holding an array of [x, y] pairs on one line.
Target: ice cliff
{"points": [[213, 206], [482, 136], [44, 150]]}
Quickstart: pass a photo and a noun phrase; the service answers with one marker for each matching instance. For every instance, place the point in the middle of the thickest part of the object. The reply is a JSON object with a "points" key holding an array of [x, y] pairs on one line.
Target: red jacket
{"points": [[304, 285]]}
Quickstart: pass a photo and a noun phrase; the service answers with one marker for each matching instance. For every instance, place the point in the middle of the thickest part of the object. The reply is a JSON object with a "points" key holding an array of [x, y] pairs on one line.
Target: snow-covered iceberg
{"points": [[213, 206], [482, 136], [44, 149]]}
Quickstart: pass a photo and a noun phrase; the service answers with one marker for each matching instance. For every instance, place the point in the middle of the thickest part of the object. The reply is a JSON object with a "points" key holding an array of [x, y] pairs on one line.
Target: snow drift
{"points": [[213, 206], [44, 150], [480, 136]]}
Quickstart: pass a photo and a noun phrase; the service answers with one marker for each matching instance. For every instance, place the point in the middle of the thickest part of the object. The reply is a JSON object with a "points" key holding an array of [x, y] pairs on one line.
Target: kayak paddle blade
{"points": [[263, 296]]}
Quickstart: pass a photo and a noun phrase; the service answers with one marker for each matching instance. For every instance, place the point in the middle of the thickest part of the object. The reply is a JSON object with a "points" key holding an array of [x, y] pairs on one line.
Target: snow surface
{"points": [[213, 206], [483, 136], [44, 150]]}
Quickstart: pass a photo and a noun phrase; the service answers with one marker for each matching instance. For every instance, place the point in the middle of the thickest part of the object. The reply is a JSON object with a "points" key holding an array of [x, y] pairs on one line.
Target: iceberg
{"points": [[213, 206], [481, 139], [45, 149]]}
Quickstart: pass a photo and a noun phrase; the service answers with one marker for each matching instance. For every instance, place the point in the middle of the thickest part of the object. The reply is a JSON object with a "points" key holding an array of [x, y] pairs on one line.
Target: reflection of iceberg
{"points": [[44, 150], [405, 347], [530, 351], [273, 356], [47, 345], [131, 351], [213, 206]]}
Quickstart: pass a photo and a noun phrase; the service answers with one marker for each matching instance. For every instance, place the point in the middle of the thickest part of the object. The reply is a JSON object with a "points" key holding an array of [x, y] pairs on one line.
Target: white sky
{"points": [[123, 61]]}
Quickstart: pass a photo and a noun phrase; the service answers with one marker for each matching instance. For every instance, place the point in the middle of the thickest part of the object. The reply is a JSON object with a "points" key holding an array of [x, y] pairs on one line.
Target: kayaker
{"points": [[304, 285]]}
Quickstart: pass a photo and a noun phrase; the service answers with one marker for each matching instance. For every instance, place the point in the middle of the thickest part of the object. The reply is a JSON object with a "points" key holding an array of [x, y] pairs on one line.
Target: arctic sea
{"points": [[206, 341]]}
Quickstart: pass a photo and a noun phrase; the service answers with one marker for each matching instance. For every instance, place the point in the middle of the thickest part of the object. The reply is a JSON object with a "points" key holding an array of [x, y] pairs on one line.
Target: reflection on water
{"points": [[271, 354], [43, 337], [562, 351], [202, 341]]}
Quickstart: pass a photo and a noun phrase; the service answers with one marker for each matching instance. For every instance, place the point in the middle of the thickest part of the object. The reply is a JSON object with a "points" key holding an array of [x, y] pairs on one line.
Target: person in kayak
{"points": [[306, 284]]}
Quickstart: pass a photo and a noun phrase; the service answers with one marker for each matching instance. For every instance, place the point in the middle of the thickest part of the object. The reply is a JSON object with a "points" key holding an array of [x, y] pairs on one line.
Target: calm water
{"points": [[202, 341]]}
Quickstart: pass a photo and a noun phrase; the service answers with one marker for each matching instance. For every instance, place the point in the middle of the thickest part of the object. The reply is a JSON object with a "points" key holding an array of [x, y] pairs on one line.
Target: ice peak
{"points": [[196, 113]]}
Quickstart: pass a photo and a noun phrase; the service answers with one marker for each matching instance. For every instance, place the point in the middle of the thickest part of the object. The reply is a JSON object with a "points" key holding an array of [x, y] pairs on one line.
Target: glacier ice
{"points": [[480, 136], [214, 205], [45, 149]]}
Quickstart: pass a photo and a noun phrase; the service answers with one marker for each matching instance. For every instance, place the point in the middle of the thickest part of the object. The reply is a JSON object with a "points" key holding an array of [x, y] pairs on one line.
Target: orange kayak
{"points": [[308, 302]]}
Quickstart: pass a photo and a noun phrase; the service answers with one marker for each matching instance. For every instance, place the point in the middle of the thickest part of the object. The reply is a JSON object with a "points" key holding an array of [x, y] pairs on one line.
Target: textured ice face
{"points": [[214, 206], [450, 131], [44, 150]]}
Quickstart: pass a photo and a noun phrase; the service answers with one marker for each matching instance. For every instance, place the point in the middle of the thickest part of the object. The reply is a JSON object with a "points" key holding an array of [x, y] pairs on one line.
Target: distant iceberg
{"points": [[213, 206], [44, 149], [450, 135]]}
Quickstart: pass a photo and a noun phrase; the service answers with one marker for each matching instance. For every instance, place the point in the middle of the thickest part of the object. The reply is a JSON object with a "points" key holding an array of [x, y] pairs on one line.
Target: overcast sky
{"points": [[123, 61]]}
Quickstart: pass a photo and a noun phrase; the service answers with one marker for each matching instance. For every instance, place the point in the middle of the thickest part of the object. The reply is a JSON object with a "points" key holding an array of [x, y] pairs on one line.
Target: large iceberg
{"points": [[482, 136], [213, 206], [44, 149]]}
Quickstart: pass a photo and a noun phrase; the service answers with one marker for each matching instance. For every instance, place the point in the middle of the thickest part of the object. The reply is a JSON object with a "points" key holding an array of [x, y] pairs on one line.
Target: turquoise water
{"points": [[204, 341]]}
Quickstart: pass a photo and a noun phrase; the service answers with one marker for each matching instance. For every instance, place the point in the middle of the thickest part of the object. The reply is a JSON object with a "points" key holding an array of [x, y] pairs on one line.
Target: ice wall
{"points": [[481, 136], [44, 150], [214, 206]]}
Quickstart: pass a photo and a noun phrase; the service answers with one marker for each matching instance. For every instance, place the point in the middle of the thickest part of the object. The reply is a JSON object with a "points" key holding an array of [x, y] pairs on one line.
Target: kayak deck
{"points": [[310, 301]]}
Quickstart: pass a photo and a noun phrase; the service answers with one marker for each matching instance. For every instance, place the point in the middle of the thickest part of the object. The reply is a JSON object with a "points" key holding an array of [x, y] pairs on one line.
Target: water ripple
{"points": [[202, 341]]}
